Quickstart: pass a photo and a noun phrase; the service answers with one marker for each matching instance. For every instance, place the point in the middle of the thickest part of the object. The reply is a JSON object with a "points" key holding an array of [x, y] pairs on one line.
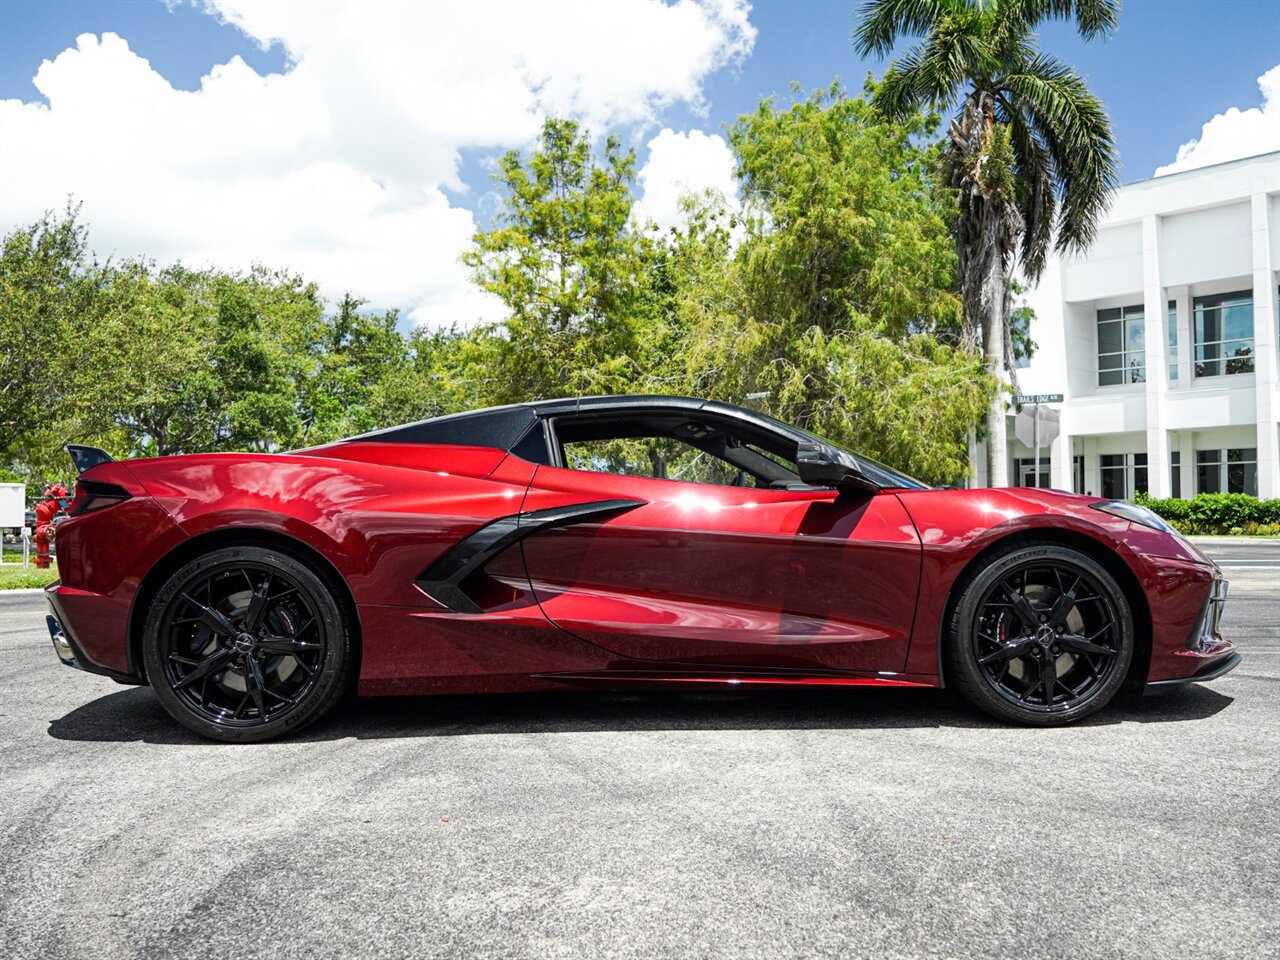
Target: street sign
{"points": [[13, 504], [1020, 399], [1037, 426]]}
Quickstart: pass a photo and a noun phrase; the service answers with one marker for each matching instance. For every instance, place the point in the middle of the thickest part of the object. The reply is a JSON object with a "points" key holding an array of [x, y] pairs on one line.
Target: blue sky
{"points": [[1172, 66]]}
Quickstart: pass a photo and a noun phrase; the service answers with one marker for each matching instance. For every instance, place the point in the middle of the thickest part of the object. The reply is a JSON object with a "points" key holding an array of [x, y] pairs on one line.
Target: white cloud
{"points": [[338, 168], [1236, 133], [680, 164]]}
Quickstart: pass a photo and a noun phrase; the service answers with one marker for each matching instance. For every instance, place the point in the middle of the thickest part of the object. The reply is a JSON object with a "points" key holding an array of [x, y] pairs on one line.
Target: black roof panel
{"points": [[502, 427], [638, 402], [498, 427]]}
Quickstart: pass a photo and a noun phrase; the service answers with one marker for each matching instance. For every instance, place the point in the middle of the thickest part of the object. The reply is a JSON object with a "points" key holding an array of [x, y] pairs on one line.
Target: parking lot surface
{"points": [[766, 824]]}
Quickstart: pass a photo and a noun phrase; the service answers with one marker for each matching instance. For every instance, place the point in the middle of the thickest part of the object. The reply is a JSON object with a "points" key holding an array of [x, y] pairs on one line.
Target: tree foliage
{"points": [[1030, 150], [835, 308], [567, 263], [47, 290], [826, 299], [147, 361]]}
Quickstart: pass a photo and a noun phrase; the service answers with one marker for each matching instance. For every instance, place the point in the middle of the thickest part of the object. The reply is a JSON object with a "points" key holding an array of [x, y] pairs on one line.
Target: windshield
{"points": [[878, 473]]}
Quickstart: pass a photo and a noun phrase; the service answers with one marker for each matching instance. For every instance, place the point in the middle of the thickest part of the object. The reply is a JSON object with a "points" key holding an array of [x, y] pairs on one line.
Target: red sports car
{"points": [[609, 541]]}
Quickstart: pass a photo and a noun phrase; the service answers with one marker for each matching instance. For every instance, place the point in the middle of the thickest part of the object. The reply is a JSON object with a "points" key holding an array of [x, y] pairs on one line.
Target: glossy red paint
{"points": [[1168, 581], [694, 584], [729, 575]]}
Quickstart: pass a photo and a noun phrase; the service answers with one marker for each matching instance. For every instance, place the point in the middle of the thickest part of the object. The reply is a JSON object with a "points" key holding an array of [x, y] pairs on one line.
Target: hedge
{"points": [[1219, 513]]}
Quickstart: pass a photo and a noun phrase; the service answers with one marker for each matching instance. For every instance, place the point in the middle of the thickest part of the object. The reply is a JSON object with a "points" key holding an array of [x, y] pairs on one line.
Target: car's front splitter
{"points": [[1211, 670]]}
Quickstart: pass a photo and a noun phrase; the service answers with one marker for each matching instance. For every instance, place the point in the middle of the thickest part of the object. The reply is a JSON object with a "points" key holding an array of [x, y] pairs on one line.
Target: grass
{"points": [[13, 577]]}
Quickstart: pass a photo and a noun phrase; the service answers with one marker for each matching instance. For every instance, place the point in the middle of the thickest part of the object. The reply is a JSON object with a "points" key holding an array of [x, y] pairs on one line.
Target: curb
{"points": [[26, 593], [1224, 538]]}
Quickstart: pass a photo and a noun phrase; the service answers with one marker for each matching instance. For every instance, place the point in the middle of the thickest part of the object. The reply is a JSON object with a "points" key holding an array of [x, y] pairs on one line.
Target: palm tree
{"points": [[1029, 150]]}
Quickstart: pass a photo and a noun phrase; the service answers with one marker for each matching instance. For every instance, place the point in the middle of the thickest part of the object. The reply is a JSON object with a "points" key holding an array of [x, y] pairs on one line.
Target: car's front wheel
{"points": [[246, 644], [1041, 635]]}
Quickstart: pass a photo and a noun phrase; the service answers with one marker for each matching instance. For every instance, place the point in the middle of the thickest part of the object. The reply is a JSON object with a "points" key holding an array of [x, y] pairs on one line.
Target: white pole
{"points": [[1035, 434]]}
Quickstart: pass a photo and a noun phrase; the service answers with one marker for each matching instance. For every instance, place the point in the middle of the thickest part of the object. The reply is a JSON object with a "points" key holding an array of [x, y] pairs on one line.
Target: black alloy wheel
{"points": [[245, 644], [1042, 635]]}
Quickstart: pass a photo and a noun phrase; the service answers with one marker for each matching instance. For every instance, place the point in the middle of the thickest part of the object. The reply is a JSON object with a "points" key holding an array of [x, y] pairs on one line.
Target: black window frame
{"points": [[724, 435]]}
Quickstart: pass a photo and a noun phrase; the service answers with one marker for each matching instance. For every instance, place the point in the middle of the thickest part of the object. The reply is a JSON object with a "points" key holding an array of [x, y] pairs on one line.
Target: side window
{"points": [[664, 447], [663, 458]]}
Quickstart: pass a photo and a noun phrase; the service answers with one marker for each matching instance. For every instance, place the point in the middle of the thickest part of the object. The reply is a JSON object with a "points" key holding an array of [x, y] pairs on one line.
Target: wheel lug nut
{"points": [[1043, 618]]}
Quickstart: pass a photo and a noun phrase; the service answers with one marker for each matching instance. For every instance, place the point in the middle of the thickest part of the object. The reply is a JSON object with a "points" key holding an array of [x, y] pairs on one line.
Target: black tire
{"points": [[1041, 634], [246, 644]]}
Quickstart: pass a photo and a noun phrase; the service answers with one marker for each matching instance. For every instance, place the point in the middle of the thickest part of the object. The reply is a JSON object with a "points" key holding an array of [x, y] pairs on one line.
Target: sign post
{"points": [[1037, 425], [13, 507]]}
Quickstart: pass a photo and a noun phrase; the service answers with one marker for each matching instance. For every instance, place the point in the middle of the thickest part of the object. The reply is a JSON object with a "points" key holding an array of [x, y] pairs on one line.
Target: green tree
{"points": [[829, 300], [148, 361], [353, 357], [425, 384], [48, 285], [566, 261], [1030, 150], [197, 360]]}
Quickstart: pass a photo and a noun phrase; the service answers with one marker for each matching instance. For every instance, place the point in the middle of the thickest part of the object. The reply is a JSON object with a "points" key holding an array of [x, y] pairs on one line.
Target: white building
{"points": [[1163, 341]]}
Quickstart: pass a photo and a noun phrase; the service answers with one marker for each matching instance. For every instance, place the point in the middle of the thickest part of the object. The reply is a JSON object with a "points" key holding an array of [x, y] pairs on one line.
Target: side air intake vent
{"points": [[442, 581]]}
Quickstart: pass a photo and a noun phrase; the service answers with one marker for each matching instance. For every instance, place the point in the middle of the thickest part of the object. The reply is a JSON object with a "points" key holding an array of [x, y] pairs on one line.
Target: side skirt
{"points": [[734, 678]]}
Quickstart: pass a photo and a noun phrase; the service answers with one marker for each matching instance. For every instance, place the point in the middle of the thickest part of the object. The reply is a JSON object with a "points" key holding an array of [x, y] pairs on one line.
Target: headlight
{"points": [[1132, 511]]}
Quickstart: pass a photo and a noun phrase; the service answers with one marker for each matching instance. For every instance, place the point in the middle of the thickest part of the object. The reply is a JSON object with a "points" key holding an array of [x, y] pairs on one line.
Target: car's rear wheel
{"points": [[1041, 634], [246, 644]]}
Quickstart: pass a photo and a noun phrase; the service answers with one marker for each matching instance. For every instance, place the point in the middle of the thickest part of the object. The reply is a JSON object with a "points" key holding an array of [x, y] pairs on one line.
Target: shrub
{"points": [[1218, 510], [1219, 513], [1172, 509]]}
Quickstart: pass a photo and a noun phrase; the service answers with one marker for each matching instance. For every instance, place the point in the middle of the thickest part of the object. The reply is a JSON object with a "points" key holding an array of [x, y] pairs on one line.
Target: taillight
{"points": [[94, 495]]}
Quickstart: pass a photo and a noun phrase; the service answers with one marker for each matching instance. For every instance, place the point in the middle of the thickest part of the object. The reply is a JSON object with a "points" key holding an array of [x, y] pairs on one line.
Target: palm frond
{"points": [[1094, 18], [960, 48], [927, 74], [1073, 125], [897, 94], [1037, 198], [882, 22]]}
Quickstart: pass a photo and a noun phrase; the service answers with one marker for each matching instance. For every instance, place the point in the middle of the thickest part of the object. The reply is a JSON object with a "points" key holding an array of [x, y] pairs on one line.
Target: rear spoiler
{"points": [[85, 458]]}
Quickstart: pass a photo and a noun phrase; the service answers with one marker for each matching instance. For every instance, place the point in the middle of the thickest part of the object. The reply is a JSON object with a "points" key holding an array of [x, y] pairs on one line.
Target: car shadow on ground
{"points": [[135, 714]]}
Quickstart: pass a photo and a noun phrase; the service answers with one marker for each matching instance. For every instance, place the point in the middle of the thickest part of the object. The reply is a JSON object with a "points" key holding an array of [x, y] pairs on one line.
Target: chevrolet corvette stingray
{"points": [[609, 542]]}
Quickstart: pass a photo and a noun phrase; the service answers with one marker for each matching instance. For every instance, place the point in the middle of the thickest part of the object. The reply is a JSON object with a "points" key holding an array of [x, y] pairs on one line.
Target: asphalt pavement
{"points": [[763, 824]]}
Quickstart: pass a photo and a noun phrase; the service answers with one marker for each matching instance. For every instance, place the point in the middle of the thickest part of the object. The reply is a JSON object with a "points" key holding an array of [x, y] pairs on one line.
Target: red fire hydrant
{"points": [[52, 502]]}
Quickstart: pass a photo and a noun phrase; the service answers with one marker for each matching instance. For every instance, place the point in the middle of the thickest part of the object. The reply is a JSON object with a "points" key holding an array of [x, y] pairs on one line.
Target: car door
{"points": [[723, 574]]}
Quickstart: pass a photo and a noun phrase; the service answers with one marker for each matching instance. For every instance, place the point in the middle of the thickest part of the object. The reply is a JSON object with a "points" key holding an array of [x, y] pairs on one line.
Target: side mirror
{"points": [[820, 466]]}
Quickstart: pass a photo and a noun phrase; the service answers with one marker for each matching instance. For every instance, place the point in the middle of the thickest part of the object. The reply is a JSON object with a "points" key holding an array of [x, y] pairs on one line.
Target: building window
{"points": [[1224, 334], [1026, 474], [1077, 473], [1175, 473], [1121, 348], [1173, 340], [1123, 475], [1227, 471]]}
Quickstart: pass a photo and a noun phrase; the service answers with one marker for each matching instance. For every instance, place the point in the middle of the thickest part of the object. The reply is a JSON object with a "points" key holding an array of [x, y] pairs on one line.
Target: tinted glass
{"points": [[663, 458], [1237, 321], [1135, 335], [1110, 337]]}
